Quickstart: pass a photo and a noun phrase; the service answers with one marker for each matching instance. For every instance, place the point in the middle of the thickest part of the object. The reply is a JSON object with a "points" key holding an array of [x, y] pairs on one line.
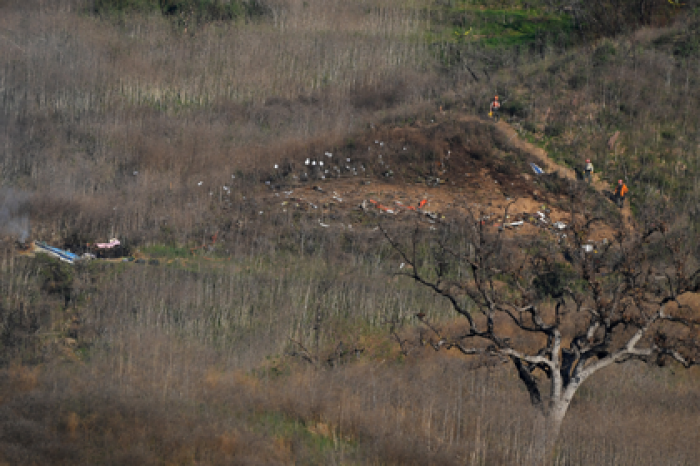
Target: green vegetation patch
{"points": [[502, 27]]}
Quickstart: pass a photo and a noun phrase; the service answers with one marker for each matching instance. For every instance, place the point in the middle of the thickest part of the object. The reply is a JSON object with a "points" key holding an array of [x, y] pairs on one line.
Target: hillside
{"points": [[254, 157]]}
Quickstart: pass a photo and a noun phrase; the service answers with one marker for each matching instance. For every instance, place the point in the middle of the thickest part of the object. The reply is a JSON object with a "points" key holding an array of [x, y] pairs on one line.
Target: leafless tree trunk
{"points": [[593, 305]]}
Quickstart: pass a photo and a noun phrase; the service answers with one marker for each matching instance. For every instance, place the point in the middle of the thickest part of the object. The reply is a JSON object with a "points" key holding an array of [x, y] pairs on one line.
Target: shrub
{"points": [[554, 184], [610, 18], [554, 129], [529, 126], [516, 108], [124, 6], [199, 11], [577, 81], [553, 283], [603, 54]]}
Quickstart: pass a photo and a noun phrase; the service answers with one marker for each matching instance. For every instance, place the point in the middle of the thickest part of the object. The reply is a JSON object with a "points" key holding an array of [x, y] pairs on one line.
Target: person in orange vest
{"points": [[620, 193], [495, 108]]}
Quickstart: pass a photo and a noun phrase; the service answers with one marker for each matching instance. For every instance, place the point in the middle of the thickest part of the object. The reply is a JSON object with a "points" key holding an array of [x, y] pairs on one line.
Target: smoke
{"points": [[14, 215]]}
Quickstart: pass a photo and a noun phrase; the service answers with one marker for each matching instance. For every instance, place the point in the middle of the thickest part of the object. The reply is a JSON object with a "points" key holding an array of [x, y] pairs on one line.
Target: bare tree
{"points": [[611, 17], [560, 308]]}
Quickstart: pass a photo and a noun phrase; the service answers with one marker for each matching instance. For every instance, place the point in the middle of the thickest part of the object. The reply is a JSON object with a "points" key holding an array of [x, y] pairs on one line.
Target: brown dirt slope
{"points": [[552, 167], [455, 164]]}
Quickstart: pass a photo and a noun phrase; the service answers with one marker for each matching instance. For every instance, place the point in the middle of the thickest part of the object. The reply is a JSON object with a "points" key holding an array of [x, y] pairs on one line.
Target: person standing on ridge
{"points": [[620, 193], [588, 171], [495, 108]]}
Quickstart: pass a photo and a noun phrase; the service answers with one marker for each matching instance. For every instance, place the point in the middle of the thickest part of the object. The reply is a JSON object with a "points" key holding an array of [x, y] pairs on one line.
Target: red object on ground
{"points": [[381, 207]]}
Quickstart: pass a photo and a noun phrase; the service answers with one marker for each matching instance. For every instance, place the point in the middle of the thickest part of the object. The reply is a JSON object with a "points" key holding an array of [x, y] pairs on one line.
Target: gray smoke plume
{"points": [[14, 214]]}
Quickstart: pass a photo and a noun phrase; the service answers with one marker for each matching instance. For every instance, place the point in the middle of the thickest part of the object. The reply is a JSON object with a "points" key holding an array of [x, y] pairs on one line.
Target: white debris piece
{"points": [[200, 183], [560, 225], [587, 247]]}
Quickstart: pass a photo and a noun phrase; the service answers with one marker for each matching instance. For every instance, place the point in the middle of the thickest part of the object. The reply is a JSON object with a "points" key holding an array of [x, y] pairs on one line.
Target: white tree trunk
{"points": [[554, 418]]}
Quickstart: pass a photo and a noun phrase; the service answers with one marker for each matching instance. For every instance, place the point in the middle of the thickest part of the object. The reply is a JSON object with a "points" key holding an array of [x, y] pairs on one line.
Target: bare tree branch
{"points": [[590, 310]]}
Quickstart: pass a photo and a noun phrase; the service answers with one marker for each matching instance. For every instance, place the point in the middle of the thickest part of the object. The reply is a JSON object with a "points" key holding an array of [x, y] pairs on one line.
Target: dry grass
{"points": [[186, 364], [121, 120], [430, 410], [111, 124]]}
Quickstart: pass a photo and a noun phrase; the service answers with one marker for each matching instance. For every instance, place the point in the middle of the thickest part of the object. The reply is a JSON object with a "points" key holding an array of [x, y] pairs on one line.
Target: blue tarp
{"points": [[65, 256], [536, 169]]}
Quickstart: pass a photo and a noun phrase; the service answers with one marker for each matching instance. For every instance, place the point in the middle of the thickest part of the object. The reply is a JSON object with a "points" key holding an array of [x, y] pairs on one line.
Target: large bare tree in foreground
{"points": [[557, 307]]}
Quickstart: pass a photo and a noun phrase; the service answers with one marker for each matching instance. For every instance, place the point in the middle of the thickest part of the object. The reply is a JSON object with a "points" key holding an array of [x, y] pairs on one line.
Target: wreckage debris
{"points": [[381, 207], [60, 254], [536, 169], [114, 242]]}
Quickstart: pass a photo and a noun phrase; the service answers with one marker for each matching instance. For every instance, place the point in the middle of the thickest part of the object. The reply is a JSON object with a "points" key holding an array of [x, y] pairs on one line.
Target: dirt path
{"points": [[550, 166]]}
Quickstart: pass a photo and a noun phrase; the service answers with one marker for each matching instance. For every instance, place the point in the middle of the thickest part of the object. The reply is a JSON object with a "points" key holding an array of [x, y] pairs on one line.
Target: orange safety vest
{"points": [[622, 190]]}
